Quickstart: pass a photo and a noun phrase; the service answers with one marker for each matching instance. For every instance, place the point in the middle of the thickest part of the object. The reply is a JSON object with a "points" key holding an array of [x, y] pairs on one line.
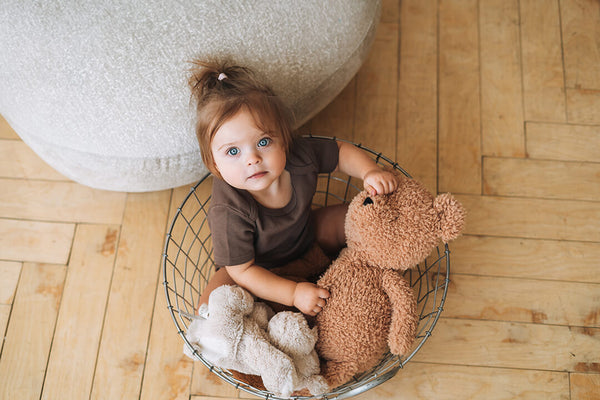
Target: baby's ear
{"points": [[452, 216]]}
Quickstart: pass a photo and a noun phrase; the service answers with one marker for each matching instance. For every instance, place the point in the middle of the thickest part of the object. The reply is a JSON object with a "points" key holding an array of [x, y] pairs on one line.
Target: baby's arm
{"points": [[356, 163], [305, 296]]}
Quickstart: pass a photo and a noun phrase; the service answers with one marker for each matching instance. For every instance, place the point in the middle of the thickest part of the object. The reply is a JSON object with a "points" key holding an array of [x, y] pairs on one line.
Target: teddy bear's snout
{"points": [[367, 201]]}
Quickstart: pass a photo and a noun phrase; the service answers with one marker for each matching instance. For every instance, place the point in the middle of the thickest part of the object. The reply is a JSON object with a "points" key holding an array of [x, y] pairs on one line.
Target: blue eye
{"points": [[264, 142], [234, 151]]}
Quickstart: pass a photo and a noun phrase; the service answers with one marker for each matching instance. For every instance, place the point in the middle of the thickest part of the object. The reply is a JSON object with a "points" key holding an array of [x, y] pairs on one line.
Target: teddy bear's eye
{"points": [[367, 201]]}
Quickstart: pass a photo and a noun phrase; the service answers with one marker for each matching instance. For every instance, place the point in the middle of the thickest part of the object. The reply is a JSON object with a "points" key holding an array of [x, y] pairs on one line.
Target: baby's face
{"points": [[246, 157]]}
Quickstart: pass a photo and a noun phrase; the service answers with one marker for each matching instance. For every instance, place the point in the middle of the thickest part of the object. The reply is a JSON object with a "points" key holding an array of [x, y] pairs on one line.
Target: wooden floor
{"points": [[496, 101]]}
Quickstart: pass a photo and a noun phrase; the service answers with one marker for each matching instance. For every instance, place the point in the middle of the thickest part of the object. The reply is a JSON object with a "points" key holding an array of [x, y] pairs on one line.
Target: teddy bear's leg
{"points": [[339, 372], [405, 319]]}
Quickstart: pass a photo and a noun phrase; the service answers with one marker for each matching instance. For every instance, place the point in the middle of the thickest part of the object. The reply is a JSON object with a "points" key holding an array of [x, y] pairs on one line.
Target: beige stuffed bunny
{"points": [[234, 336]]}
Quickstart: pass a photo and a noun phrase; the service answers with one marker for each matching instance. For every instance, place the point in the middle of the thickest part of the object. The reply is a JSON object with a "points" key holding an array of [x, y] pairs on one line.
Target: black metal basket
{"points": [[188, 265]]}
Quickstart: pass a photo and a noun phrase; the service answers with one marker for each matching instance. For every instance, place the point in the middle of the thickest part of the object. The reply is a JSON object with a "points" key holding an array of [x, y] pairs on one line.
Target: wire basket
{"points": [[188, 265]]}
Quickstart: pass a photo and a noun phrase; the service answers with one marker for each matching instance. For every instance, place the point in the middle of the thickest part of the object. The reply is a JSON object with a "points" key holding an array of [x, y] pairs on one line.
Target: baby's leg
{"points": [[219, 278], [329, 227], [309, 267]]}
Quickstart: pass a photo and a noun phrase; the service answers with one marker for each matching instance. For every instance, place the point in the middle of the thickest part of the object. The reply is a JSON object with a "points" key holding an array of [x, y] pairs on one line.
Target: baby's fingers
{"points": [[375, 188], [388, 184], [323, 293], [391, 186], [370, 189]]}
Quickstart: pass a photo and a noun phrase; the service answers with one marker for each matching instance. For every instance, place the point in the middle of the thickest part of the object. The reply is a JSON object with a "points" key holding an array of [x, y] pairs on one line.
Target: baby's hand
{"points": [[378, 181], [309, 298]]}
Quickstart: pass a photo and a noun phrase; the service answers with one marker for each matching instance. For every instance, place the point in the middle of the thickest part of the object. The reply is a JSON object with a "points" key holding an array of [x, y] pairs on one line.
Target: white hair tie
{"points": [[221, 76]]}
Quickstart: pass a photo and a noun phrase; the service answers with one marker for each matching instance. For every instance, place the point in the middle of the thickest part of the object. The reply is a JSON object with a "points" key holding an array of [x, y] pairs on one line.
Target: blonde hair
{"points": [[220, 90]]}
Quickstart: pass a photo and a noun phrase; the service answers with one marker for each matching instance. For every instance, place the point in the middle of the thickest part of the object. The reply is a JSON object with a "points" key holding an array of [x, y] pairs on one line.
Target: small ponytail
{"points": [[225, 79]]}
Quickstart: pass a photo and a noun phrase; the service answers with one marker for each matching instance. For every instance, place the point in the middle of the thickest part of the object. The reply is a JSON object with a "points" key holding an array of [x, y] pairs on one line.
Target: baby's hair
{"points": [[220, 90]]}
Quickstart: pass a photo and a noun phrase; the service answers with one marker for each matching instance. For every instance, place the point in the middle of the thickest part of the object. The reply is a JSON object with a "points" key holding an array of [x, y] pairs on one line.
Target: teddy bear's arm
{"points": [[405, 320]]}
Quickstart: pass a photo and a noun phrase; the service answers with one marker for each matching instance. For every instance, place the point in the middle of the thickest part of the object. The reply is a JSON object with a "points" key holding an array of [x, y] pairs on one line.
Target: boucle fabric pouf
{"points": [[99, 89]]}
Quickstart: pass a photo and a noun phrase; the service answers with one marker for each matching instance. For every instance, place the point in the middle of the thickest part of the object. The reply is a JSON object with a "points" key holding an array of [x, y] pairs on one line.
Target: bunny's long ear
{"points": [[452, 216]]}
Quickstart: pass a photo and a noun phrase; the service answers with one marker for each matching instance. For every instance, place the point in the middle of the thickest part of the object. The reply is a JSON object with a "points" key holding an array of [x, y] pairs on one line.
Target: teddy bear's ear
{"points": [[451, 214]]}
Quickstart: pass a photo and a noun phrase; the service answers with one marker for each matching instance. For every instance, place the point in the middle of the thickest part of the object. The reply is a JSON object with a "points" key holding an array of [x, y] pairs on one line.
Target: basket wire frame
{"points": [[188, 265]]}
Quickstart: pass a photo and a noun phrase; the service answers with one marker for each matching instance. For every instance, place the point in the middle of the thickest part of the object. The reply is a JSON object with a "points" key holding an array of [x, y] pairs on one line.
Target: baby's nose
{"points": [[253, 158]]}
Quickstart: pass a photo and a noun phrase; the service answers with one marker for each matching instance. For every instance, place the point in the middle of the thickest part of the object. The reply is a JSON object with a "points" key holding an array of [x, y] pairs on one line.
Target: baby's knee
{"points": [[329, 224], [219, 278]]}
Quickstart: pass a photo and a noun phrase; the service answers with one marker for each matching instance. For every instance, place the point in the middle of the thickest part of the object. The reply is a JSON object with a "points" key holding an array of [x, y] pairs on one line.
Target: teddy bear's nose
{"points": [[367, 201]]}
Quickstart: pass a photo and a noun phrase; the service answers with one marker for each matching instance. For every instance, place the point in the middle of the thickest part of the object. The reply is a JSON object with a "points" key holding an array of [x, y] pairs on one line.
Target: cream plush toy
{"points": [[290, 333], [234, 336]]}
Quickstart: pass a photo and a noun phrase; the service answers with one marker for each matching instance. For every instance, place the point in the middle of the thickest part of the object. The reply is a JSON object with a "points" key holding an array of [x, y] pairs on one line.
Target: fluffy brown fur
{"points": [[372, 307]]}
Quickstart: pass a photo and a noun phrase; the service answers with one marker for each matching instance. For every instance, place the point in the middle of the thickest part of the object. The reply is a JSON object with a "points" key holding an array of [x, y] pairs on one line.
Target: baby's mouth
{"points": [[258, 175]]}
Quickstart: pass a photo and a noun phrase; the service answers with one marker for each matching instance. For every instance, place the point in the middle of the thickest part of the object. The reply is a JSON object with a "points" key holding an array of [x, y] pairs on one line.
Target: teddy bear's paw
{"points": [[401, 346], [337, 373]]}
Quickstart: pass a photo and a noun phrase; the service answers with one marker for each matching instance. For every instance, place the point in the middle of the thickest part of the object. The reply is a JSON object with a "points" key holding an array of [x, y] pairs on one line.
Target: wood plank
{"points": [[30, 329], [532, 218], [207, 383], [543, 75], [449, 382], [583, 106], [523, 300], [563, 142], [75, 346], [502, 127], [459, 155], [512, 345], [390, 10], [526, 258], [126, 329], [376, 93], [4, 315], [547, 179], [168, 371], [17, 160], [337, 119], [581, 43], [35, 241], [59, 201], [9, 277], [6, 132], [417, 91], [585, 386]]}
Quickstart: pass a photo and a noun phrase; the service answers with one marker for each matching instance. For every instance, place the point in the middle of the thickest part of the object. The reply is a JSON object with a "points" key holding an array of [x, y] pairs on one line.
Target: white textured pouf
{"points": [[98, 89]]}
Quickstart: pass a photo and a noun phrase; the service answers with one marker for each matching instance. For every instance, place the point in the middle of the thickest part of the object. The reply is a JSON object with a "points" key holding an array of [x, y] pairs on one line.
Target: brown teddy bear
{"points": [[372, 307]]}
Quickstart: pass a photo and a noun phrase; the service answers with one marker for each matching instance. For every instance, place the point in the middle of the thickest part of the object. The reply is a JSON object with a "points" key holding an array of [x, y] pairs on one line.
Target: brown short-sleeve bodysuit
{"points": [[242, 229]]}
